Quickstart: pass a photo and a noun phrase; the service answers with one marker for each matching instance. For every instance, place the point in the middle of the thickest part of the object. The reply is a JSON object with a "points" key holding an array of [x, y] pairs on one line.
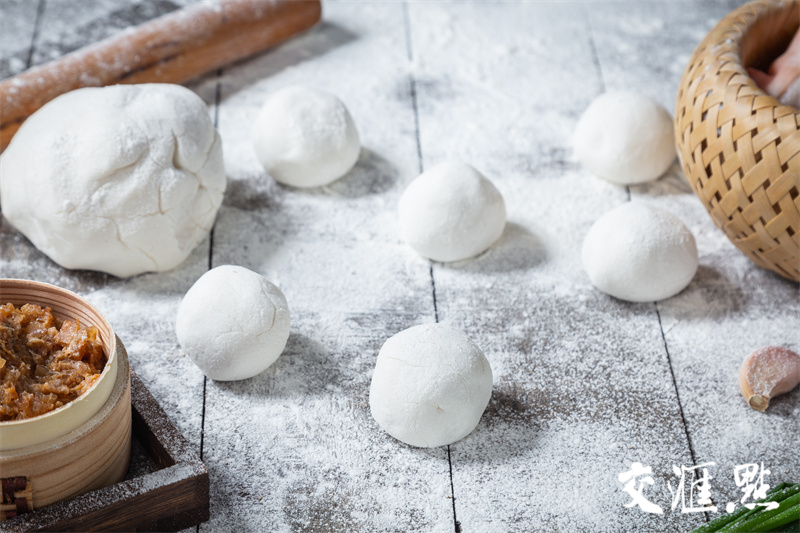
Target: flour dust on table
{"points": [[124, 179]]}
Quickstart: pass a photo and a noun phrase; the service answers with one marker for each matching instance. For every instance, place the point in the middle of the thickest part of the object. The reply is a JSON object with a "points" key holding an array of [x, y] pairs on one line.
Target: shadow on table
{"points": [[372, 174], [710, 295], [506, 416], [253, 194], [785, 405], [316, 42], [305, 367], [516, 249], [672, 182]]}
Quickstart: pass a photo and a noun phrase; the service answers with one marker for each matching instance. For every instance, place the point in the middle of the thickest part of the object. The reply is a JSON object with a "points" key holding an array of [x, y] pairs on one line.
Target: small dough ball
{"points": [[305, 138], [639, 253], [451, 212], [625, 138], [233, 323], [430, 386], [123, 179]]}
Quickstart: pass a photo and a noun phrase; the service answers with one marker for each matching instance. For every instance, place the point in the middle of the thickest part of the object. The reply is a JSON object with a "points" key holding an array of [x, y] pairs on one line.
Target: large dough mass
{"points": [[123, 179], [430, 386]]}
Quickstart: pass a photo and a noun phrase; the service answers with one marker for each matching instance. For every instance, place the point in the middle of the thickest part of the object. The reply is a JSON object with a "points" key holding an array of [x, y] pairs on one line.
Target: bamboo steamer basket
{"points": [[85, 444], [738, 146]]}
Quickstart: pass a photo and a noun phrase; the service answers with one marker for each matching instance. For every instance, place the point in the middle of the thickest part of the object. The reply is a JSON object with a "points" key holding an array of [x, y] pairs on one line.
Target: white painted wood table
{"points": [[584, 385]]}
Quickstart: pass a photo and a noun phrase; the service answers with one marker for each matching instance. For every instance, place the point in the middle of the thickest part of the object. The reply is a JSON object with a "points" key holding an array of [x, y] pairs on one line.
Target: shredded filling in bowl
{"points": [[45, 362]]}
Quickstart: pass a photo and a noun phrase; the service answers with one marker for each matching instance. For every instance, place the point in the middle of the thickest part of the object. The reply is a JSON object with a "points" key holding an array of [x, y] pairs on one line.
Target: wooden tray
{"points": [[166, 488]]}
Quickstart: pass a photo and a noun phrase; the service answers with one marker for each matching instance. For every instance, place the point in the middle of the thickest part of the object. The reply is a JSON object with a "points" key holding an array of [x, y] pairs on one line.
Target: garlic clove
{"points": [[768, 372]]}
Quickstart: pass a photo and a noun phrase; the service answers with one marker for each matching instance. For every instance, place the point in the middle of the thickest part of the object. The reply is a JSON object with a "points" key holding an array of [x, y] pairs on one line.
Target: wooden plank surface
{"points": [[313, 447], [584, 384], [17, 27], [170, 492]]}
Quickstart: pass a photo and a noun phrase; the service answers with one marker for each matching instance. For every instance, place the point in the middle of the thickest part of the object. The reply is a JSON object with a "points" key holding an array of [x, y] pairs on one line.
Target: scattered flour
{"points": [[569, 411]]}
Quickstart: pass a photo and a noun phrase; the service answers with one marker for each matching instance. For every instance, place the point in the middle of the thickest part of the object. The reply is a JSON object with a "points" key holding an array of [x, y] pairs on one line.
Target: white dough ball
{"points": [[639, 253], [625, 138], [430, 386], [305, 138], [123, 179], [451, 212], [233, 323]]}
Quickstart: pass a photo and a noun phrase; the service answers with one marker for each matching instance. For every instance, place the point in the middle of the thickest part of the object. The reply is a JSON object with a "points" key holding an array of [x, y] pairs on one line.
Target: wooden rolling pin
{"points": [[171, 49]]}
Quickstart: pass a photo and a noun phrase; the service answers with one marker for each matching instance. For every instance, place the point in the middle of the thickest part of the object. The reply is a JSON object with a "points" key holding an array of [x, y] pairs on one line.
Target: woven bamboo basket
{"points": [[739, 147]]}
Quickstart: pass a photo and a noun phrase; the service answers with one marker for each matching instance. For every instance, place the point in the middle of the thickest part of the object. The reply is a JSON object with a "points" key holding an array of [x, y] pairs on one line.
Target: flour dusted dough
{"points": [[123, 179], [233, 323], [625, 138], [451, 212], [305, 138], [639, 253], [430, 386]]}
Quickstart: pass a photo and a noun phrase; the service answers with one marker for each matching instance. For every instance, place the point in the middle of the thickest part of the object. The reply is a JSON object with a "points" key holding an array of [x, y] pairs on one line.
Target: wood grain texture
{"points": [[583, 383], [316, 459], [729, 310], [582, 380], [17, 25], [173, 497]]}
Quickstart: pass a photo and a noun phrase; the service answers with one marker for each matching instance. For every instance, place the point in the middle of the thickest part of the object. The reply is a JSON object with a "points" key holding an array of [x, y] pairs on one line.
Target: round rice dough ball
{"points": [[305, 138], [625, 138], [639, 253], [451, 212], [123, 179], [430, 386], [233, 323]]}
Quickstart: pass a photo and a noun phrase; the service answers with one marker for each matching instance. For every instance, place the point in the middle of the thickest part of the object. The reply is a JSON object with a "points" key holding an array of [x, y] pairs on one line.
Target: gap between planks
{"points": [[420, 168], [601, 79], [37, 20], [217, 100], [677, 394], [600, 76], [35, 36]]}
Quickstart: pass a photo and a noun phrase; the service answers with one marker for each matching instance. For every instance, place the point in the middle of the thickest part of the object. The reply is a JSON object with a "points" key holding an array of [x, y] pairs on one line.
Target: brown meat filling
{"points": [[44, 363]]}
